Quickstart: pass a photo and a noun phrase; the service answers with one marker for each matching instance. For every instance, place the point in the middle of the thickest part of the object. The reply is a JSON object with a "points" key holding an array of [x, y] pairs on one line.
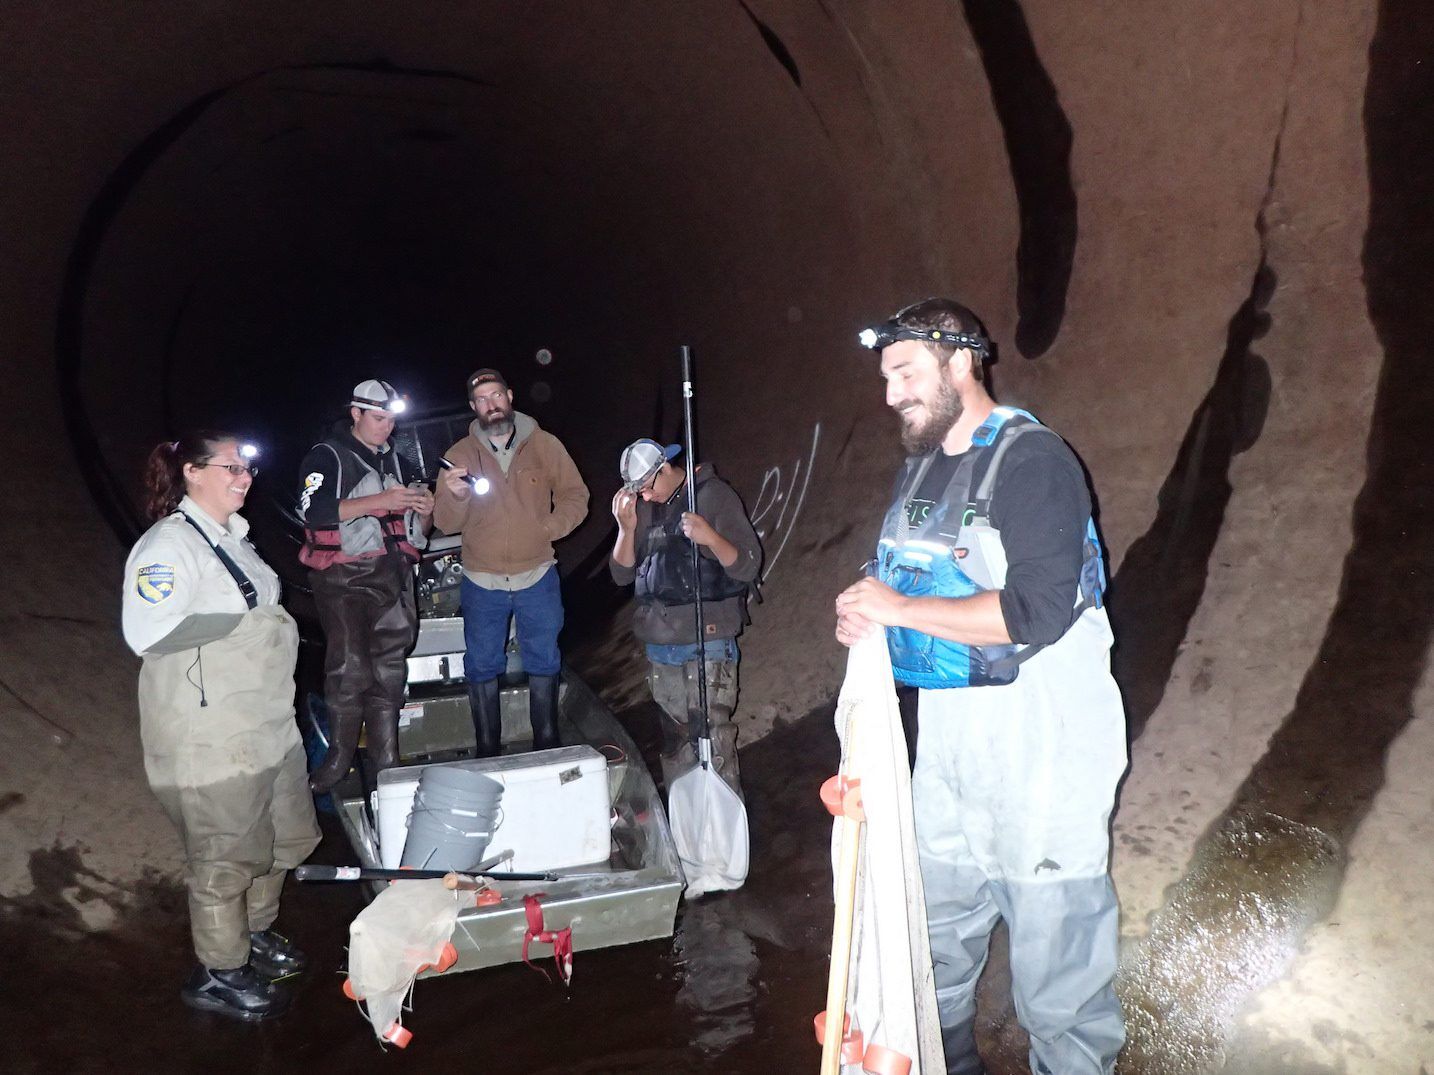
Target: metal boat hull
{"points": [[632, 897]]}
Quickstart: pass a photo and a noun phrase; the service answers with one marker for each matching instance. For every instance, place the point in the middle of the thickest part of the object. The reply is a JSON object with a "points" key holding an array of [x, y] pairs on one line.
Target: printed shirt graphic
{"points": [[917, 512], [312, 482], [919, 505]]}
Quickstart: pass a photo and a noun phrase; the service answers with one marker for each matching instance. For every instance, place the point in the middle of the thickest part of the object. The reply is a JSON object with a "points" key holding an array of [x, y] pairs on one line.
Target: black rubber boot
{"points": [[237, 993], [343, 741], [381, 740], [543, 711], [487, 718], [275, 956]]}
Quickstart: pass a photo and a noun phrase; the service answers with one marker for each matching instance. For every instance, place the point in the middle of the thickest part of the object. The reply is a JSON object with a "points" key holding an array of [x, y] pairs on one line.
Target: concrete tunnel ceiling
{"points": [[416, 223], [1195, 230]]}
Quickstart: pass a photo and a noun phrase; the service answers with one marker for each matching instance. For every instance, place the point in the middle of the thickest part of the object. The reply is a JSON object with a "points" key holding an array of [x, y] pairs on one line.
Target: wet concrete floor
{"points": [[734, 991]]}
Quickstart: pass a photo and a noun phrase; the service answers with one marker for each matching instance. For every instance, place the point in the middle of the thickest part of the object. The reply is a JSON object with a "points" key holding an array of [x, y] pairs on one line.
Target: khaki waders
{"points": [[224, 758]]}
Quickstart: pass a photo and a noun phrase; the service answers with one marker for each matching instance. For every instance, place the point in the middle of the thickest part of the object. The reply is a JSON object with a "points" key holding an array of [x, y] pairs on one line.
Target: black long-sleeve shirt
{"points": [[1040, 505]]}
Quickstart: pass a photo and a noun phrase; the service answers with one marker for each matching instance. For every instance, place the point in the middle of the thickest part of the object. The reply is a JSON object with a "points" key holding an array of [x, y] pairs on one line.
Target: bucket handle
{"points": [[497, 821]]}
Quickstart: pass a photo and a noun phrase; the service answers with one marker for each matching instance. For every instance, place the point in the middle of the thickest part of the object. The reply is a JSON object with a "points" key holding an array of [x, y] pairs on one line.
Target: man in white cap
{"points": [[653, 551], [363, 527]]}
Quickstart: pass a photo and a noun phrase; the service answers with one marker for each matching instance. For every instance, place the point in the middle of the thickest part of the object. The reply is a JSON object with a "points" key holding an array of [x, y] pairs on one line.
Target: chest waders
{"points": [[1013, 785], [223, 756], [362, 580], [955, 551], [664, 577]]}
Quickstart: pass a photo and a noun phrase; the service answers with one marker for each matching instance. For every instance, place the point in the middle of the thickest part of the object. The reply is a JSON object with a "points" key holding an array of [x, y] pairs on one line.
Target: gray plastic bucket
{"points": [[454, 814]]}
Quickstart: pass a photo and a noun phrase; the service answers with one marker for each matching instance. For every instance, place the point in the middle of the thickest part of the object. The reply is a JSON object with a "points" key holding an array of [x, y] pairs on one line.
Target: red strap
{"points": [[560, 939]]}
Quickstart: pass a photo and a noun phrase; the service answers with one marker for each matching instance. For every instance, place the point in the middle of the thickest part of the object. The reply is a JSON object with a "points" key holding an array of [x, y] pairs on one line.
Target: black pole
{"points": [[704, 749]]}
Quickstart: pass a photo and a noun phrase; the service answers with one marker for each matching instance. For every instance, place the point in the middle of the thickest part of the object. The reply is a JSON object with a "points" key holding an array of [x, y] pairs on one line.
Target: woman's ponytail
{"points": [[164, 468]]}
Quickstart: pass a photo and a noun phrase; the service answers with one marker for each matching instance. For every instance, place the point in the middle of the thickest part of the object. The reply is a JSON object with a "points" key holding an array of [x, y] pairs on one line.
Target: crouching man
{"points": [[654, 552]]}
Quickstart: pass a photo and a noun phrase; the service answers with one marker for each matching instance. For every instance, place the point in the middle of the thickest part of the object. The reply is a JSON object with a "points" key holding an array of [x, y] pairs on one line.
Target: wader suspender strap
{"points": [[251, 595], [981, 504]]}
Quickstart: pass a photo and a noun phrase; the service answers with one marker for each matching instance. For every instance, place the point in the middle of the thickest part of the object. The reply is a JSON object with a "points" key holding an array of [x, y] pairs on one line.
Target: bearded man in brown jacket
{"points": [[513, 490]]}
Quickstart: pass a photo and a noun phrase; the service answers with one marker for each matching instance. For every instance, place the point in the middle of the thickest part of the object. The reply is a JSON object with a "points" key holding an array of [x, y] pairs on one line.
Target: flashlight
{"points": [[479, 485]]}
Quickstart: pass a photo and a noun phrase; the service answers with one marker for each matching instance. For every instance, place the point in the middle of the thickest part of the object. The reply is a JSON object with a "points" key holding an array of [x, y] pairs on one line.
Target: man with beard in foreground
{"points": [[512, 492], [989, 581]]}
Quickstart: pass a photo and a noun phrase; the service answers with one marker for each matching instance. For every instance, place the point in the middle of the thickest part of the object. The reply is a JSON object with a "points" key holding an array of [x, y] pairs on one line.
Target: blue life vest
{"points": [[956, 552]]}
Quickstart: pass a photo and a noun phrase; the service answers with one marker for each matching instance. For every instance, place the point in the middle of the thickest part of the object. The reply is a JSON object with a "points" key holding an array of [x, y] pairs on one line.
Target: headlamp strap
{"points": [[889, 332]]}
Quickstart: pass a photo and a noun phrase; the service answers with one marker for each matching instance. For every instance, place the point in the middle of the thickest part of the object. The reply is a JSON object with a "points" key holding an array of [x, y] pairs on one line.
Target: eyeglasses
{"points": [[235, 469]]}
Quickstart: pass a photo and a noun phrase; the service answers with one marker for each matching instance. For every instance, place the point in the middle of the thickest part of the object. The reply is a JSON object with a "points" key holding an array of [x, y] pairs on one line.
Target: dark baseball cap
{"points": [[485, 376]]}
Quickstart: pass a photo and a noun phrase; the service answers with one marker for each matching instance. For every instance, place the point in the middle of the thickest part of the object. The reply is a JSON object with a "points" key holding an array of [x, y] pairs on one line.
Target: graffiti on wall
{"points": [[779, 503]]}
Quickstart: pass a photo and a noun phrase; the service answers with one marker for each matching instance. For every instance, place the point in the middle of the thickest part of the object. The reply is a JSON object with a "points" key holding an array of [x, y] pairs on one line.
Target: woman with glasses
{"points": [[221, 748]]}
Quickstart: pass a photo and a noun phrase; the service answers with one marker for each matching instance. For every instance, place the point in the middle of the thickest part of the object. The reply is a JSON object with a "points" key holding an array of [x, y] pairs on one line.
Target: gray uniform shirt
{"points": [[173, 576]]}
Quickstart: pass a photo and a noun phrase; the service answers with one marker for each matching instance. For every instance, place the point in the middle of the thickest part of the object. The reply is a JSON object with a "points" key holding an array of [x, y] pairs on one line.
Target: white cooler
{"points": [[554, 812]]}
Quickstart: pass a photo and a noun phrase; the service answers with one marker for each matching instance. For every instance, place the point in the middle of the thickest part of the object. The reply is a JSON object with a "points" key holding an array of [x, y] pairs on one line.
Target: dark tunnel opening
{"points": [[332, 279]]}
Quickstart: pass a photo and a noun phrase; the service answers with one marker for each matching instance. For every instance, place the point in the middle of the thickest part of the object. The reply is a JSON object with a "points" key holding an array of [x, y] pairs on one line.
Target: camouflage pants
{"points": [[675, 690]]}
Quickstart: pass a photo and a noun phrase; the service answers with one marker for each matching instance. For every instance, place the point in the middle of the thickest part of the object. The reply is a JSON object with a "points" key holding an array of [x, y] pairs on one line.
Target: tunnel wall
{"points": [[681, 178]]}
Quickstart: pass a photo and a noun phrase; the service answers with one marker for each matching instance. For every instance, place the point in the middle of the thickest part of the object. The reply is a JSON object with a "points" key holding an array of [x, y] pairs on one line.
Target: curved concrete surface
{"points": [[1193, 228]]}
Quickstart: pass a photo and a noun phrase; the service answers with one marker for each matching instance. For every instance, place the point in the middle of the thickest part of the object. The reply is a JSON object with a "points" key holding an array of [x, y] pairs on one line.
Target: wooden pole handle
{"points": [[458, 883], [837, 977]]}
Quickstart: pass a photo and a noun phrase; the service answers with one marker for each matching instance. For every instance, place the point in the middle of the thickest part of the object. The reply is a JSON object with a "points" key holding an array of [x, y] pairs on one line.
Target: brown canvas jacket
{"points": [[512, 527]]}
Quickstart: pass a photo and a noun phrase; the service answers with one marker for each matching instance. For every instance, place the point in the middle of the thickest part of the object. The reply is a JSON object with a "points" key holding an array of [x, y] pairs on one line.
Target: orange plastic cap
{"points": [[398, 1035], [446, 958], [842, 797], [851, 1040], [879, 1060]]}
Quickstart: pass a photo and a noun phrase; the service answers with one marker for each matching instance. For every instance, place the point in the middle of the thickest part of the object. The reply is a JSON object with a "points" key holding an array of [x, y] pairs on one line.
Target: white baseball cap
{"points": [[640, 461], [374, 395]]}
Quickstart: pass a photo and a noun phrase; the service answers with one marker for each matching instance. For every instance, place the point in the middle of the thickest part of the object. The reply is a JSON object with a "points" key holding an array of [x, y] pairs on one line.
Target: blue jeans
{"points": [[539, 612]]}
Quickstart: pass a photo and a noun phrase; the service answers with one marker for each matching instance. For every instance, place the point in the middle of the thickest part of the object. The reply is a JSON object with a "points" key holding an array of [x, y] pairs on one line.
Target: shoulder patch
{"points": [[155, 582]]}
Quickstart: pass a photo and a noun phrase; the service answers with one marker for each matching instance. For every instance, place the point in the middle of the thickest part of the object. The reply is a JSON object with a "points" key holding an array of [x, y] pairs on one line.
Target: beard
{"points": [[497, 424], [942, 414]]}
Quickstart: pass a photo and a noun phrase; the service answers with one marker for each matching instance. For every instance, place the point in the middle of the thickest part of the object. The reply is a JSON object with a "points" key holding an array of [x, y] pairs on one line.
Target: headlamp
{"points": [[247, 451], [888, 332], [378, 396]]}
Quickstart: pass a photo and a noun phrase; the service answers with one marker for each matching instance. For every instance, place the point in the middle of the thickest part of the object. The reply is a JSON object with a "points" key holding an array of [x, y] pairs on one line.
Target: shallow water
{"points": [[734, 990]]}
